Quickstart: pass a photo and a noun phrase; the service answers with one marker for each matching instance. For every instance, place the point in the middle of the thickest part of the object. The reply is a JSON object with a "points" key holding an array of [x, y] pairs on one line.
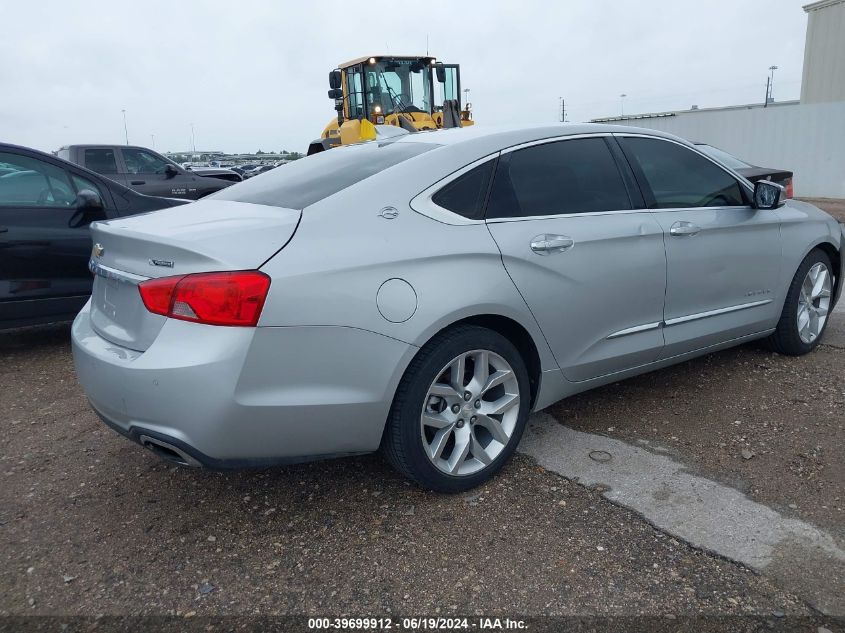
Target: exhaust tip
{"points": [[168, 452]]}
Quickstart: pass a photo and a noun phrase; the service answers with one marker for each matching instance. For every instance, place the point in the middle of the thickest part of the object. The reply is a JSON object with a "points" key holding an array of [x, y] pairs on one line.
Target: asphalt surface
{"points": [[93, 524]]}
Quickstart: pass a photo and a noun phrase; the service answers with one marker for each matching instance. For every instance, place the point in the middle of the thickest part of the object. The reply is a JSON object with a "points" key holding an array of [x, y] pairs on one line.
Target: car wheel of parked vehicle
{"points": [[459, 410], [805, 311]]}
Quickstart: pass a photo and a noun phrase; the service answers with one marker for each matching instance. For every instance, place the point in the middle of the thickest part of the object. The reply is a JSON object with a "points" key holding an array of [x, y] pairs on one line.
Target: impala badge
{"points": [[389, 213], [98, 250], [161, 262]]}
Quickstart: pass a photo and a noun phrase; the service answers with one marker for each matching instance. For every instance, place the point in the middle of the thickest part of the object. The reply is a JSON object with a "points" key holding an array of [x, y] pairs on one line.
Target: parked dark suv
{"points": [[46, 205], [143, 170]]}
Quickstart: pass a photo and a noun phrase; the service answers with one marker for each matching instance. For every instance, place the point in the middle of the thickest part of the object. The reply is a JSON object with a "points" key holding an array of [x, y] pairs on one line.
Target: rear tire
{"points": [[459, 410], [805, 311]]}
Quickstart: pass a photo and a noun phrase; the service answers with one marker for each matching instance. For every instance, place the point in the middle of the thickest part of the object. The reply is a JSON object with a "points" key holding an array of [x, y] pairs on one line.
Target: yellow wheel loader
{"points": [[414, 93]]}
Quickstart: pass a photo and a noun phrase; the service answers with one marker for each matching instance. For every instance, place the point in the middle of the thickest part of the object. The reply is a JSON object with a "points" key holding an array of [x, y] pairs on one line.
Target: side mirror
{"points": [[335, 93], [88, 200], [170, 171], [334, 80], [767, 194], [440, 69]]}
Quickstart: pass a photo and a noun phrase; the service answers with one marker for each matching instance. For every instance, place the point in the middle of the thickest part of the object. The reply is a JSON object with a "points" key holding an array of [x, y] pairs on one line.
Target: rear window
{"points": [[308, 180], [101, 160]]}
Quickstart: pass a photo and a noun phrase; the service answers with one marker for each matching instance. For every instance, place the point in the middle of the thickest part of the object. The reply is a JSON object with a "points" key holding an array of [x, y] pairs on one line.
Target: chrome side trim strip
{"points": [[710, 313], [636, 329], [685, 319], [112, 273]]}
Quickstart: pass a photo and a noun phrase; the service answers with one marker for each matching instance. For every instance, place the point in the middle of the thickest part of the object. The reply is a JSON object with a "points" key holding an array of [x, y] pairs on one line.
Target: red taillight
{"points": [[230, 298], [788, 185]]}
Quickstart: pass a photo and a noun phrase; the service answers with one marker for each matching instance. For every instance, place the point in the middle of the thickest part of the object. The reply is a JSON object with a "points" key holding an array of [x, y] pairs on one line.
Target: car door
{"points": [[147, 173], [723, 256], [589, 263], [44, 240]]}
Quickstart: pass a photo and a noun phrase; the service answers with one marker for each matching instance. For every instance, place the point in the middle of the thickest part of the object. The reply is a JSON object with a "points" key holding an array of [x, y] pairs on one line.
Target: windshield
{"points": [[399, 85], [729, 160]]}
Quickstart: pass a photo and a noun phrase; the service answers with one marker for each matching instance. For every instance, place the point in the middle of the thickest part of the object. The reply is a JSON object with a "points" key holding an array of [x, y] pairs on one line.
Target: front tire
{"points": [[459, 410], [805, 311]]}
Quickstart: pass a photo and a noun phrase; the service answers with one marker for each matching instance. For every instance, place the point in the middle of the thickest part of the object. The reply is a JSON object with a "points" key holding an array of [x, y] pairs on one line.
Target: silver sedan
{"points": [[422, 294]]}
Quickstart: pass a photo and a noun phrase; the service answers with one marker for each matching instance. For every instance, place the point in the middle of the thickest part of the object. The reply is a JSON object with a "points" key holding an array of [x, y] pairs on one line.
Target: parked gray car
{"points": [[423, 294], [144, 170]]}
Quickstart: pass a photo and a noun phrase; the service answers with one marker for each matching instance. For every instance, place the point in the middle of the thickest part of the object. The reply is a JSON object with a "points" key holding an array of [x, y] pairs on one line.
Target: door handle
{"points": [[684, 229], [548, 244], [138, 182]]}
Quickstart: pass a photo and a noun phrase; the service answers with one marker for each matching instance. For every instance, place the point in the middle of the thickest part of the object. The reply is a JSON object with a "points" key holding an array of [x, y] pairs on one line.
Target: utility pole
{"points": [[193, 139], [772, 70], [562, 113], [766, 100], [153, 138], [125, 129], [622, 103]]}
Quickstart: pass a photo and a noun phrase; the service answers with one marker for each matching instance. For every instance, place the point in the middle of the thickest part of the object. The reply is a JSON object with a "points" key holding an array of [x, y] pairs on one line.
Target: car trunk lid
{"points": [[203, 236]]}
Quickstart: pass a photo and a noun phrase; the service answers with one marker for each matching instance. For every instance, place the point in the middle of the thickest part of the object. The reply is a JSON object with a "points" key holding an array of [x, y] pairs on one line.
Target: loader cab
{"points": [[376, 87], [414, 93]]}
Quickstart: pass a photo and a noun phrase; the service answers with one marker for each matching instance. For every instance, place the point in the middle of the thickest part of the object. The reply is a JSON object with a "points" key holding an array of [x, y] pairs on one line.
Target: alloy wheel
{"points": [[470, 412], [814, 302]]}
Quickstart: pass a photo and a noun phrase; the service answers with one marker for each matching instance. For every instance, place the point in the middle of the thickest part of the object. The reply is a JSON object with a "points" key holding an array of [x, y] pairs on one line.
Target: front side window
{"points": [[570, 176], [29, 182], [465, 195], [354, 92], [447, 89], [139, 161], [101, 160], [680, 178], [83, 183], [723, 157]]}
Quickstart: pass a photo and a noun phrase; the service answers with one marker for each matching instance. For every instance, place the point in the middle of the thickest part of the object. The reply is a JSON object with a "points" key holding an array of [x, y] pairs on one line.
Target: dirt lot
{"points": [[91, 523], [834, 206], [785, 413]]}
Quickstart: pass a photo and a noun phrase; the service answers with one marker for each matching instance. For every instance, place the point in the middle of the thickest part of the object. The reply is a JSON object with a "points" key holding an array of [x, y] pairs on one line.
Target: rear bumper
{"points": [[244, 397]]}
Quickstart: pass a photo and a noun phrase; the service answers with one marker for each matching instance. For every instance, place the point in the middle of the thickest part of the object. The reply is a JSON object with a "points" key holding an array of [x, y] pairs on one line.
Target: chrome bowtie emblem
{"points": [[389, 213], [97, 251]]}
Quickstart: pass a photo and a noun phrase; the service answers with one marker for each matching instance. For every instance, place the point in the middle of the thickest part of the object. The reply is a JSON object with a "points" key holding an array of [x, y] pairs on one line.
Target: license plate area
{"points": [[118, 313]]}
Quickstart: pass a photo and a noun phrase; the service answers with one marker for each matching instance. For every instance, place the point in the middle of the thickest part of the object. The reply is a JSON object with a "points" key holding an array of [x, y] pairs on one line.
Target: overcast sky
{"points": [[253, 74]]}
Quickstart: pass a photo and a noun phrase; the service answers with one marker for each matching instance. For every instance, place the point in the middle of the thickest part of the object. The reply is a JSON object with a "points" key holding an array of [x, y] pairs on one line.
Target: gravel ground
{"points": [[90, 523], [772, 426], [834, 206]]}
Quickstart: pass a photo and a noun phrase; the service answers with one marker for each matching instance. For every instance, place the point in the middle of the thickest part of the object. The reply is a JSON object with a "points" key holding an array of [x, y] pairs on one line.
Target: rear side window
{"points": [[572, 176], [308, 180], [101, 160], [681, 178], [465, 195]]}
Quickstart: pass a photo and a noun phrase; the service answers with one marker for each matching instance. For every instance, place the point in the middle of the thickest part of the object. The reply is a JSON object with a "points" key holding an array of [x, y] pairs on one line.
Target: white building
{"points": [[823, 79], [806, 136]]}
